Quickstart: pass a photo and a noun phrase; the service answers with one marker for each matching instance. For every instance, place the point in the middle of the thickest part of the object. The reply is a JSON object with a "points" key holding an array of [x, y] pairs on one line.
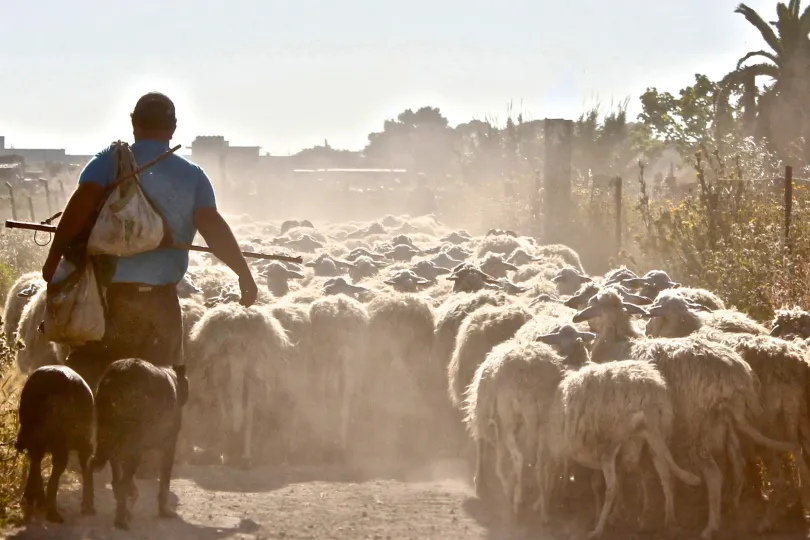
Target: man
{"points": [[422, 200], [144, 319]]}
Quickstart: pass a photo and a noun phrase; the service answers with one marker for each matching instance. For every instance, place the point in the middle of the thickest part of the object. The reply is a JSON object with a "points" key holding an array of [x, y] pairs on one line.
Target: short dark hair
{"points": [[154, 111]]}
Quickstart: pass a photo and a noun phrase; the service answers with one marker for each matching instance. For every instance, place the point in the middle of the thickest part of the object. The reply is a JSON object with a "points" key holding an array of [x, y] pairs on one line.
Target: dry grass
{"points": [[18, 254]]}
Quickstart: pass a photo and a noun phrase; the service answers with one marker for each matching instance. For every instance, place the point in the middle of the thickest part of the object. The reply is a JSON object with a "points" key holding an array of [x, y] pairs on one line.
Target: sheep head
{"points": [[569, 281], [570, 343], [519, 257], [469, 278], [339, 285], [428, 270], [791, 324], [651, 283], [29, 291], [276, 276], [495, 266], [406, 281], [673, 315], [608, 306], [455, 238], [402, 252]]}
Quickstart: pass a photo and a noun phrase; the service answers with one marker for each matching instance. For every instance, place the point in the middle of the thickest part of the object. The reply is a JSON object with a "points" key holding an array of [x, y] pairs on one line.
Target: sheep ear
{"points": [[27, 292], [656, 311], [452, 277], [587, 314], [390, 282], [694, 306], [586, 279], [633, 309], [776, 330], [556, 279], [587, 337], [634, 282], [291, 274], [636, 299], [549, 339]]}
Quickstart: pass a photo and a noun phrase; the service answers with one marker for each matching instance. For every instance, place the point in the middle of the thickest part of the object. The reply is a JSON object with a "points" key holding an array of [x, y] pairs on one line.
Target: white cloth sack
{"points": [[74, 307], [127, 224]]}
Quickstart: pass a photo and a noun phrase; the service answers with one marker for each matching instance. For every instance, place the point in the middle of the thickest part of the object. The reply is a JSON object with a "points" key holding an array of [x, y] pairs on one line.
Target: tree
{"points": [[780, 112], [419, 141], [686, 121], [603, 144]]}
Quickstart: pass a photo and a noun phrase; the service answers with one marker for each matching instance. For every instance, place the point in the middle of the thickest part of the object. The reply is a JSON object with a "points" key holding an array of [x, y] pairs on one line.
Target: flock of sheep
{"points": [[404, 340]]}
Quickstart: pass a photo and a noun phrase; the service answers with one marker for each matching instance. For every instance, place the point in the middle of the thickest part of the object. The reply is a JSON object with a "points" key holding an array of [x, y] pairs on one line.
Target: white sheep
{"points": [[478, 334], [339, 359], [20, 293], [33, 350], [674, 315], [238, 355], [601, 410], [403, 392]]}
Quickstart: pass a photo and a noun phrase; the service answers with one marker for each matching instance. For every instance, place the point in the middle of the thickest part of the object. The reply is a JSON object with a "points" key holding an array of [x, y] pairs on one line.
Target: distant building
{"points": [[224, 163], [38, 158]]}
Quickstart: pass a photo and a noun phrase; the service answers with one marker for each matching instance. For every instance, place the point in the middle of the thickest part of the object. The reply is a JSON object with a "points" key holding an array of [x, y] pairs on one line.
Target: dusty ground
{"points": [[316, 503]]}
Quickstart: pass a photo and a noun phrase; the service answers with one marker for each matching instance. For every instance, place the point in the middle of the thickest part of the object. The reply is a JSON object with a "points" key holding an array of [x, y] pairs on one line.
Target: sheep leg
{"points": [[166, 466], [517, 469], [665, 476], [119, 490], [714, 487], [777, 481], [544, 472], [59, 461], [609, 471], [597, 485], [501, 469], [88, 492], [126, 493], [247, 428], [734, 454], [34, 494], [479, 480]]}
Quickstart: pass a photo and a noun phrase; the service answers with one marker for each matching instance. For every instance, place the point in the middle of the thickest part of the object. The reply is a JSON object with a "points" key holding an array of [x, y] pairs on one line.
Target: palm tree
{"points": [[783, 103]]}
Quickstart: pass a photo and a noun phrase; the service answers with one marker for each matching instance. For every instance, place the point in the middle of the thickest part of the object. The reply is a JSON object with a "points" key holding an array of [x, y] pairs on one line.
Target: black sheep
{"points": [[138, 410], [56, 416]]}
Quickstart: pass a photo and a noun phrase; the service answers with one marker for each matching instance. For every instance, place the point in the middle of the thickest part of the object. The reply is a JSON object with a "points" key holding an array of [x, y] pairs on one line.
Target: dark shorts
{"points": [[142, 322]]}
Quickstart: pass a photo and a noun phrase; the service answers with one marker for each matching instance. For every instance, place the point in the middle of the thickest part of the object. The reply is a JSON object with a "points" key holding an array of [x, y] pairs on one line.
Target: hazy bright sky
{"points": [[287, 74]]}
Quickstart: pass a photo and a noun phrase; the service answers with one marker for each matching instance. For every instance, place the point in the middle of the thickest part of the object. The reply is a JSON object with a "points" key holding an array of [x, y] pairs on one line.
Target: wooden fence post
{"points": [[64, 196], [31, 209], [617, 202], [13, 202], [47, 187], [788, 203], [558, 135]]}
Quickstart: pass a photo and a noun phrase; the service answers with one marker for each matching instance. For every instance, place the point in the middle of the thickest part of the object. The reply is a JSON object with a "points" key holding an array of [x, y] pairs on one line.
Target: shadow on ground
{"points": [[145, 522], [226, 479]]}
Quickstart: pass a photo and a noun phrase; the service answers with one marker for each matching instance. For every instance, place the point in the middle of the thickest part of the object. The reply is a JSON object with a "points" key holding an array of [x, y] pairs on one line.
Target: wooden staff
{"points": [[29, 226]]}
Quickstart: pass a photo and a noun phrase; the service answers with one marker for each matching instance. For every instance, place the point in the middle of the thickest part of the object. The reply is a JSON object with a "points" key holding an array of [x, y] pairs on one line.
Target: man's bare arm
{"points": [[219, 237], [74, 220]]}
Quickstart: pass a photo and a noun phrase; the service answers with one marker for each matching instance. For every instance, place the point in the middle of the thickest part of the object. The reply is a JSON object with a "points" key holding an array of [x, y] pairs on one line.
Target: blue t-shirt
{"points": [[178, 188]]}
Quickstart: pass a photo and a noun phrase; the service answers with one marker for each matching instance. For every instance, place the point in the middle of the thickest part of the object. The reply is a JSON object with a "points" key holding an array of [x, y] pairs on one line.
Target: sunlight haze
{"points": [[289, 75]]}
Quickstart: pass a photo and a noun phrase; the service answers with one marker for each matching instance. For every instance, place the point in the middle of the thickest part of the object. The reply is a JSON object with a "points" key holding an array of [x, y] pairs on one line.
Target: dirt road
{"points": [[218, 503]]}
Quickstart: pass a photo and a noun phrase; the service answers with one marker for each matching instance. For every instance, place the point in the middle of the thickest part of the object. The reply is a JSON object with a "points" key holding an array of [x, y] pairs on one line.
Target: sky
{"points": [[287, 75]]}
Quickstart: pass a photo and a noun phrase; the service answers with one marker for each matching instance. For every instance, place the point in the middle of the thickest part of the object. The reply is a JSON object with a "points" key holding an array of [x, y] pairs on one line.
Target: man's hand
{"points": [[248, 289], [49, 268]]}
